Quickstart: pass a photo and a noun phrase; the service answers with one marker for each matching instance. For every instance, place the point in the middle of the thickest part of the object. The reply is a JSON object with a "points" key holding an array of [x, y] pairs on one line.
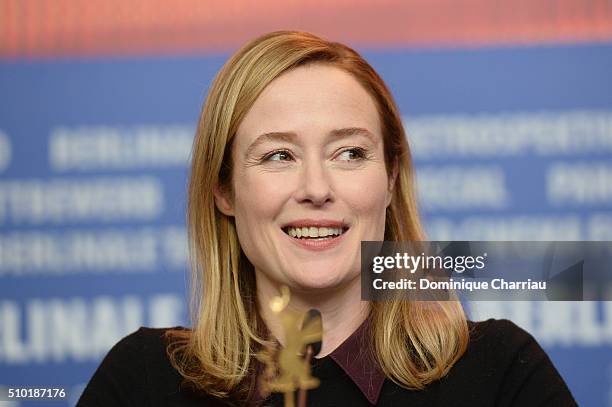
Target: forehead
{"points": [[309, 99]]}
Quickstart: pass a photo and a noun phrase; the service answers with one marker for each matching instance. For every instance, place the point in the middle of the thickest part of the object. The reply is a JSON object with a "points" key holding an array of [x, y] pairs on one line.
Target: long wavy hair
{"points": [[414, 342]]}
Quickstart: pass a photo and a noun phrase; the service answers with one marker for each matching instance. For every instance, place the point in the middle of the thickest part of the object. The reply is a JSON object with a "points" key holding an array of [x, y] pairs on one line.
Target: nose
{"points": [[314, 186]]}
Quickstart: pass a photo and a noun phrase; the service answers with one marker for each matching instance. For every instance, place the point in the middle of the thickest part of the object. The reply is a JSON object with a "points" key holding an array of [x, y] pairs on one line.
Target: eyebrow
{"points": [[291, 136]]}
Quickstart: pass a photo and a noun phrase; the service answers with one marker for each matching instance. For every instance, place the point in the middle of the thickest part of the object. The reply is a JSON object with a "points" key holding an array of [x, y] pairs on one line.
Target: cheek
{"points": [[367, 193], [258, 198]]}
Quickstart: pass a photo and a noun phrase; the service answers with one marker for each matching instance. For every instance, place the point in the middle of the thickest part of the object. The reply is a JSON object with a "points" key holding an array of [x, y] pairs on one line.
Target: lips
{"points": [[315, 229], [317, 244]]}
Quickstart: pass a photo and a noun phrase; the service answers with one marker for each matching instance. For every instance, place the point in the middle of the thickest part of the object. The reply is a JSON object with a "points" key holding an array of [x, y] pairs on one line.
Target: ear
{"points": [[392, 179], [223, 200]]}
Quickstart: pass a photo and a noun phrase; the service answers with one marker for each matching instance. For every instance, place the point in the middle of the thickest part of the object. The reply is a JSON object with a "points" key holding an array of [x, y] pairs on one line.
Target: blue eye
{"points": [[352, 154]]}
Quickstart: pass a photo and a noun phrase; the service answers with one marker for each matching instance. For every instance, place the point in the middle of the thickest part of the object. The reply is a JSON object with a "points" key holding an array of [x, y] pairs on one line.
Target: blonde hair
{"points": [[414, 342]]}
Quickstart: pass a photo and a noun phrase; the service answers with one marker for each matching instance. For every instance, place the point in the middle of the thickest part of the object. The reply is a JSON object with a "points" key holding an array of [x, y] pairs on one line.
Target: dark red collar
{"points": [[355, 356]]}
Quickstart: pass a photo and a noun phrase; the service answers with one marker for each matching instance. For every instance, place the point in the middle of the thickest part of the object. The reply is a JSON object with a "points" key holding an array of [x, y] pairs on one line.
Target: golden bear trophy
{"points": [[287, 369]]}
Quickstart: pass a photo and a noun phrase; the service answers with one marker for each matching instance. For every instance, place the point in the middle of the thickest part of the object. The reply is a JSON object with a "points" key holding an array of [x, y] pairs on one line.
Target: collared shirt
{"points": [[356, 359], [503, 366]]}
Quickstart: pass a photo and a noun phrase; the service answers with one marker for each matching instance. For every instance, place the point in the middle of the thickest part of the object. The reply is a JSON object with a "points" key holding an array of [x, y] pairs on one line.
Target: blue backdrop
{"points": [[510, 144]]}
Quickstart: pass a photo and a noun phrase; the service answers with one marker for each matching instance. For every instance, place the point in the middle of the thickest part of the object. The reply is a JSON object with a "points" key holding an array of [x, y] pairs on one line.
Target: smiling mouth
{"points": [[314, 233]]}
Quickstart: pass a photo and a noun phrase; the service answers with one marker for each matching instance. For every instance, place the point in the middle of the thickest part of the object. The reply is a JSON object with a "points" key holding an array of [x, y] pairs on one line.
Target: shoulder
{"points": [[145, 347], [145, 341], [135, 370], [496, 344], [510, 366], [498, 333]]}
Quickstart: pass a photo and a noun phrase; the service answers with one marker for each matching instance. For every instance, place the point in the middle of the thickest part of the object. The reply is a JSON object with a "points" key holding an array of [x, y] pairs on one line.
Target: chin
{"points": [[320, 280]]}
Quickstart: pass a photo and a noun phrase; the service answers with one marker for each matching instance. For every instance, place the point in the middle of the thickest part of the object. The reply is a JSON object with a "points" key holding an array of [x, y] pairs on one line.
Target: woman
{"points": [[299, 156]]}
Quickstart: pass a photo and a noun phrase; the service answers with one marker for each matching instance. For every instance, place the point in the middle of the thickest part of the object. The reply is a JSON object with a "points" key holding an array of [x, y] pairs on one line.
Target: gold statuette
{"points": [[288, 369]]}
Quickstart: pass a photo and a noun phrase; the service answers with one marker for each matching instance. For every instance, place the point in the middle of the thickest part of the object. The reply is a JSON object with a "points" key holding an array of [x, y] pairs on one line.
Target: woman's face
{"points": [[309, 179]]}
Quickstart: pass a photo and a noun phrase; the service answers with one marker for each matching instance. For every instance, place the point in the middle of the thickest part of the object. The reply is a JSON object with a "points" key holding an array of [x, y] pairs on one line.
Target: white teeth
{"points": [[313, 231]]}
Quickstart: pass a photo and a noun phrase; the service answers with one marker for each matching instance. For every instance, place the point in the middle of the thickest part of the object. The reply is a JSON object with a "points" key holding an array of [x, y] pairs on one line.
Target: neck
{"points": [[342, 310]]}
